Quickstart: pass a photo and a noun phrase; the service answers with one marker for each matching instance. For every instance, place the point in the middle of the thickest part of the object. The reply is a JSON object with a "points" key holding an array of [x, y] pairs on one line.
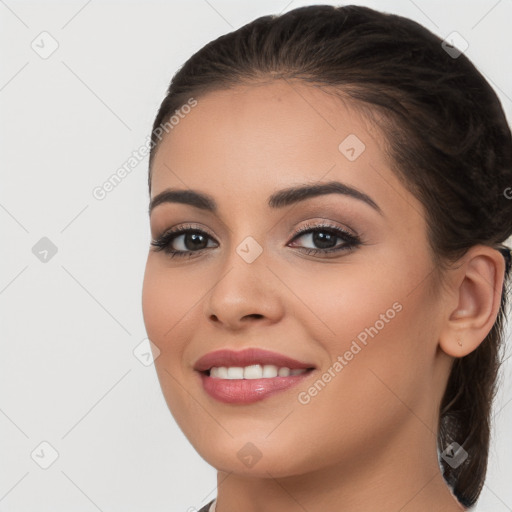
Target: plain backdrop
{"points": [[76, 393]]}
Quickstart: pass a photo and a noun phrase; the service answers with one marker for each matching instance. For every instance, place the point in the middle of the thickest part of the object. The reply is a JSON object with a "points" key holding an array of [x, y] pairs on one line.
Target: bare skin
{"points": [[367, 440]]}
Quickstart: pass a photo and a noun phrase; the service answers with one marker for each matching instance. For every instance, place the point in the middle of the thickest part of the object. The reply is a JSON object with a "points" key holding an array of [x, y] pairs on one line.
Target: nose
{"points": [[244, 293]]}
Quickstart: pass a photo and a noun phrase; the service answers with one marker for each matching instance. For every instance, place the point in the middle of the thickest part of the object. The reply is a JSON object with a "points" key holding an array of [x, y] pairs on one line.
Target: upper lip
{"points": [[247, 357]]}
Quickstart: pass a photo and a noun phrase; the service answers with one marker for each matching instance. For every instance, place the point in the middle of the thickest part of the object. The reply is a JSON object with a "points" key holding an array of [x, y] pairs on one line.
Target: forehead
{"points": [[250, 140], [254, 114]]}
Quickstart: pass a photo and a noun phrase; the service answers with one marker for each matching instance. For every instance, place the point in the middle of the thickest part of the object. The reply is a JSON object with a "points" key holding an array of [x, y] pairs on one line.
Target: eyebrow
{"points": [[278, 199]]}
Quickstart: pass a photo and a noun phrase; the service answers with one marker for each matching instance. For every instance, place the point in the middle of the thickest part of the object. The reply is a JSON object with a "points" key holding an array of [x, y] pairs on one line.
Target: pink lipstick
{"points": [[250, 375]]}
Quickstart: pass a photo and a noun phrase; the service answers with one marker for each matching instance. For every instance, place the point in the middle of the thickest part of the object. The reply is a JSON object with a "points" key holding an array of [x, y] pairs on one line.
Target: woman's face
{"points": [[362, 315]]}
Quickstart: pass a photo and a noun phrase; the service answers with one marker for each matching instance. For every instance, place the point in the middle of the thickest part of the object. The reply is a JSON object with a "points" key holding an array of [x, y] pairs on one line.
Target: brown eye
{"points": [[325, 239], [182, 241]]}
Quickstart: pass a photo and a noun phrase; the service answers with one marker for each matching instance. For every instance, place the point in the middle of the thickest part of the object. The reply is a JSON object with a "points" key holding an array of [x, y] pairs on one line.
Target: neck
{"points": [[404, 476]]}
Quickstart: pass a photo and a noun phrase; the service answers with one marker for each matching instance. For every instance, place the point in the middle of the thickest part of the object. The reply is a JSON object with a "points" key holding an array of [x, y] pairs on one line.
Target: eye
{"points": [[182, 241], [326, 238]]}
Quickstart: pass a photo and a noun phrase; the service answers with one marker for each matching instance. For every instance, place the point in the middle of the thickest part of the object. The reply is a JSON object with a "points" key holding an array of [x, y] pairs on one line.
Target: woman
{"points": [[326, 285]]}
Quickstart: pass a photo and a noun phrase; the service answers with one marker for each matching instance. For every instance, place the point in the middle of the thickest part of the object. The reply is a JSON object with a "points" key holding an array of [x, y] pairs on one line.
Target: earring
{"points": [[459, 342]]}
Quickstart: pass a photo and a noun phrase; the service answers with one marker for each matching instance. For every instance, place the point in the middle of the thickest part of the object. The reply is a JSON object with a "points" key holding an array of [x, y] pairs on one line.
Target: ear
{"points": [[474, 300]]}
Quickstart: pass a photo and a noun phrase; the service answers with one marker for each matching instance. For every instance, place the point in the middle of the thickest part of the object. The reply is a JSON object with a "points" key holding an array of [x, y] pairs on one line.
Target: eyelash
{"points": [[163, 242]]}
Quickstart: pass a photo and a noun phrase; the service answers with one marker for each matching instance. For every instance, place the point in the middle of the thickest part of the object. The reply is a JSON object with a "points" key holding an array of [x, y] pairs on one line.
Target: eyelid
{"points": [[178, 229], [310, 224], [321, 222]]}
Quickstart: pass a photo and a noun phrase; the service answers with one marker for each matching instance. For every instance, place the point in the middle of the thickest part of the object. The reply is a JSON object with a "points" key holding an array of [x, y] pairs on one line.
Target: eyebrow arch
{"points": [[278, 199]]}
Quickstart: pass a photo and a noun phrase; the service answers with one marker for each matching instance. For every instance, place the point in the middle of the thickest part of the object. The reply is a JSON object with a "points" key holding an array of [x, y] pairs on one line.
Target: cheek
{"points": [[154, 305], [165, 304], [376, 327], [374, 385], [171, 302], [164, 313], [168, 296]]}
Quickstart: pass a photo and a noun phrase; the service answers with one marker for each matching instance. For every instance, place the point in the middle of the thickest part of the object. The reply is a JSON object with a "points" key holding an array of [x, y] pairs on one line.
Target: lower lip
{"points": [[247, 391]]}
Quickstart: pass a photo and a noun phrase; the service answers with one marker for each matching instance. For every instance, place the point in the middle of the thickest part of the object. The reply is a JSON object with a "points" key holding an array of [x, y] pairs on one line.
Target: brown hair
{"points": [[447, 136]]}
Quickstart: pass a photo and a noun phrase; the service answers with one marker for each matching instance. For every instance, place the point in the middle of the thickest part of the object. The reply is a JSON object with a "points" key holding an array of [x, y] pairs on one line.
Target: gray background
{"points": [[70, 324]]}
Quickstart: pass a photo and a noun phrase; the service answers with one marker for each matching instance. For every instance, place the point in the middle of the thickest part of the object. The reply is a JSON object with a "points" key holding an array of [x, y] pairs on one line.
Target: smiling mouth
{"points": [[254, 371]]}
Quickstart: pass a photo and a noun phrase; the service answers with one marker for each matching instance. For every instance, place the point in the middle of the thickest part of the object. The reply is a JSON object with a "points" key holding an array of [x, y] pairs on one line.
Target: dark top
{"points": [[206, 508]]}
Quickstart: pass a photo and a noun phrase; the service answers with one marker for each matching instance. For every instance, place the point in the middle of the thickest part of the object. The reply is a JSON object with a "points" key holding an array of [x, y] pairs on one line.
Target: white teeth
{"points": [[255, 371], [221, 372], [235, 372], [269, 371]]}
